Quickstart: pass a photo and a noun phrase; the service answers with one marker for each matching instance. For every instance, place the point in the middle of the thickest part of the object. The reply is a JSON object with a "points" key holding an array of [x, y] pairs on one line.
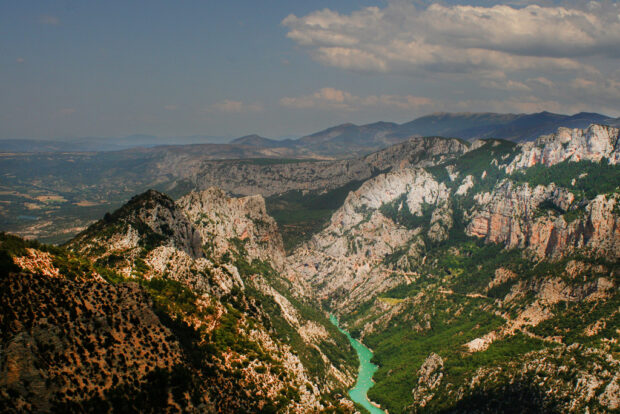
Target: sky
{"points": [[287, 68]]}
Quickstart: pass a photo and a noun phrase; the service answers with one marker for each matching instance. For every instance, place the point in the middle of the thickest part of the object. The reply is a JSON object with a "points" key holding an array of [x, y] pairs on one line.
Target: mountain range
{"points": [[341, 141], [483, 275]]}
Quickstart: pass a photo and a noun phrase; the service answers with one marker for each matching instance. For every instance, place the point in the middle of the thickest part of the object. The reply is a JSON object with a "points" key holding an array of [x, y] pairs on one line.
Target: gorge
{"points": [[482, 275]]}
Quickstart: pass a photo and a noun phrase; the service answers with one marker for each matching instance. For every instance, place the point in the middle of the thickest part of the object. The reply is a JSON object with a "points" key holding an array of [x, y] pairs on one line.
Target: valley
{"points": [[53, 190], [483, 276], [289, 207]]}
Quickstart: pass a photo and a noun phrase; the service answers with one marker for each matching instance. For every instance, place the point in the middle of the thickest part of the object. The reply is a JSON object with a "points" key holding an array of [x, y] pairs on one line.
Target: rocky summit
{"points": [[482, 275]]}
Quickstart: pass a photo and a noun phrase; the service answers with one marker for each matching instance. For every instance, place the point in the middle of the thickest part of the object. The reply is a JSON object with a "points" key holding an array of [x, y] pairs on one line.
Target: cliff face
{"points": [[246, 177], [462, 276], [209, 263], [525, 217], [592, 144], [219, 218], [484, 276], [344, 262]]}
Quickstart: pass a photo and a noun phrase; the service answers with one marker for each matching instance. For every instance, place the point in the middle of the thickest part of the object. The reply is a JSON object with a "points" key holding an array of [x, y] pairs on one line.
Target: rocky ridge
{"points": [[486, 272], [245, 177], [373, 223], [359, 236], [209, 263], [414, 241]]}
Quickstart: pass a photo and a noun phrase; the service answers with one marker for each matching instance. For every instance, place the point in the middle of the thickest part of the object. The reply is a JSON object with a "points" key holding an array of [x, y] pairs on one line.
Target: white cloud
{"points": [[403, 38], [232, 106], [51, 20], [336, 99]]}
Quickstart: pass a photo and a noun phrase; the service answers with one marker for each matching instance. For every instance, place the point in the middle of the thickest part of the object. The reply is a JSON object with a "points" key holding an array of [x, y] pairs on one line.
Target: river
{"points": [[367, 369]]}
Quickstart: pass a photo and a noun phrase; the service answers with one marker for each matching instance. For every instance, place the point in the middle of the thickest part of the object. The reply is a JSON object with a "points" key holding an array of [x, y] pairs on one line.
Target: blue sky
{"points": [[286, 68]]}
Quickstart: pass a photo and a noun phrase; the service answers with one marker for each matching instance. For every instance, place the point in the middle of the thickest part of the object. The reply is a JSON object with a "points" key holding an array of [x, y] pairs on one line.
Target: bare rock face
{"points": [[524, 217], [593, 144], [210, 243], [359, 236], [610, 398], [429, 378], [177, 239], [147, 220], [219, 218], [249, 178]]}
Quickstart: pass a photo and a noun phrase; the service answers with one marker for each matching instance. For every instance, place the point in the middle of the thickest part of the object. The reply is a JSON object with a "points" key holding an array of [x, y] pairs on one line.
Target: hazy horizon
{"points": [[286, 69]]}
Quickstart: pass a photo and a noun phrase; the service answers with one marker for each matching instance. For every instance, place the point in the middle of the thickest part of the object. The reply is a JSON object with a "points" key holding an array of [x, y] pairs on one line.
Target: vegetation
{"points": [[585, 178], [454, 309], [300, 215], [398, 211], [336, 347]]}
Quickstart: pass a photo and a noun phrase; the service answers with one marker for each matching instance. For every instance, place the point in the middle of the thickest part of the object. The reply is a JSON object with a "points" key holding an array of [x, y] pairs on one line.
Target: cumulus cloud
{"points": [[403, 38], [336, 99], [51, 20], [232, 106]]}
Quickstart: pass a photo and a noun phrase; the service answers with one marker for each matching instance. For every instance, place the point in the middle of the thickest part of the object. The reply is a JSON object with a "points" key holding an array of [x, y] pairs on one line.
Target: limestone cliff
{"points": [[495, 263], [593, 144], [531, 218], [209, 263]]}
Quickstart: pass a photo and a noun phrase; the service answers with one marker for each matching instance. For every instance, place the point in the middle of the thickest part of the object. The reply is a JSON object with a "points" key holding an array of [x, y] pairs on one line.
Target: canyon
{"points": [[482, 275]]}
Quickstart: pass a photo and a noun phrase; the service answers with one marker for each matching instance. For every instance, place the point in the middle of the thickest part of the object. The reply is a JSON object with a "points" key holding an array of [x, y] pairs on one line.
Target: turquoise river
{"points": [[359, 393]]}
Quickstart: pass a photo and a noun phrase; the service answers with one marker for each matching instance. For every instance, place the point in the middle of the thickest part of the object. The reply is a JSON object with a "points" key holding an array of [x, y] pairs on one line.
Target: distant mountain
{"points": [[451, 124], [483, 275], [340, 141], [258, 141], [530, 126], [469, 126]]}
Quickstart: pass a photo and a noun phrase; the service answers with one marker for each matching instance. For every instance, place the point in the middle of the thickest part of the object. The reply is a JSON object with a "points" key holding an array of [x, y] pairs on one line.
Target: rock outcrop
{"points": [[219, 218], [590, 144], [525, 217], [347, 256]]}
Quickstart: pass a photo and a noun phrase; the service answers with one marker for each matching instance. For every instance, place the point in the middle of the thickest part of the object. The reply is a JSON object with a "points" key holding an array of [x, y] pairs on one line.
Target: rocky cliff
{"points": [[478, 259], [592, 144], [483, 276], [345, 262], [246, 177], [209, 264], [536, 219]]}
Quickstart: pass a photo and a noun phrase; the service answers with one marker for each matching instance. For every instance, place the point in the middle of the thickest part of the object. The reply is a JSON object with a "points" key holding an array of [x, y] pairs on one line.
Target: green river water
{"points": [[364, 376]]}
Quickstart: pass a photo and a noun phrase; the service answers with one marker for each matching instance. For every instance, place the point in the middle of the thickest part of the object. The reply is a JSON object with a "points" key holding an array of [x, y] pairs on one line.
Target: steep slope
{"points": [[478, 280], [247, 178], [246, 342], [226, 252], [54, 197], [302, 196], [73, 342]]}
